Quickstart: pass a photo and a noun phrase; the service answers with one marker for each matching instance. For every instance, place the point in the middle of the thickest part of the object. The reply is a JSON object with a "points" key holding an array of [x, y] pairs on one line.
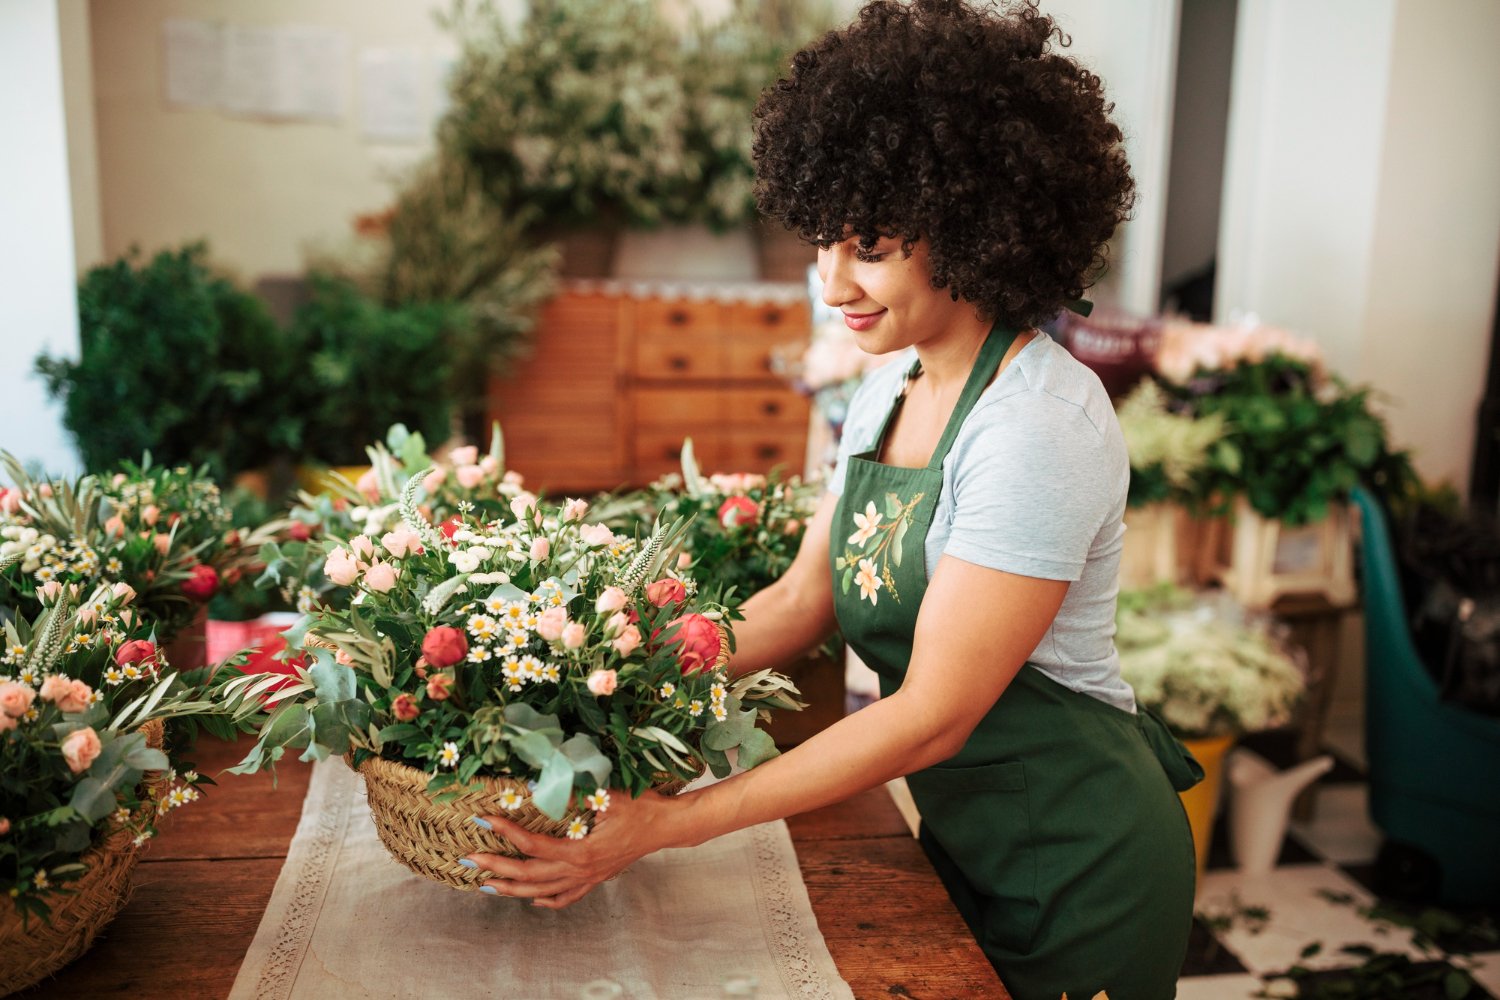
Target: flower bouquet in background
{"points": [[164, 532], [83, 776], [533, 665]]}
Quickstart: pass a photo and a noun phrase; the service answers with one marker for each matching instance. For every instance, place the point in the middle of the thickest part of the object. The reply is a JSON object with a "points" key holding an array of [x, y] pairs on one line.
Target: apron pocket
{"points": [[1182, 768], [981, 818]]}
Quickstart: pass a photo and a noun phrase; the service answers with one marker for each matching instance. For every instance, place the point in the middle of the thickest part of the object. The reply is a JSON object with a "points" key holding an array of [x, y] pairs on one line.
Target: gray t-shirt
{"points": [[1034, 485]]}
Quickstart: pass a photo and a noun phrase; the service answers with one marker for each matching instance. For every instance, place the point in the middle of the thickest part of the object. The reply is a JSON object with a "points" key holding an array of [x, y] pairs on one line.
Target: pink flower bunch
{"points": [[1188, 348]]}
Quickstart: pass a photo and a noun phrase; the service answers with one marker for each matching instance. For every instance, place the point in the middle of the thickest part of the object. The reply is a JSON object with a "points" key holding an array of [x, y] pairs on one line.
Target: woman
{"points": [[960, 180]]}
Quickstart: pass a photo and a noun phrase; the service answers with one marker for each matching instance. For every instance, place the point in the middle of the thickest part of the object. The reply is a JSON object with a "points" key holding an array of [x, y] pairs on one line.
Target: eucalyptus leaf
{"points": [[757, 748], [555, 787], [583, 752]]}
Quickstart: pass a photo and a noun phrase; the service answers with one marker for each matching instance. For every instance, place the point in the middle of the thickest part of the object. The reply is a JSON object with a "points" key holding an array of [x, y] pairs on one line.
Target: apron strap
{"points": [[985, 366]]}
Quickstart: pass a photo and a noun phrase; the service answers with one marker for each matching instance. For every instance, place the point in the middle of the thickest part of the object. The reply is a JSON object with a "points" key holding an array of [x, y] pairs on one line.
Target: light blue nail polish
{"points": [[480, 821], [467, 863], [489, 889]]}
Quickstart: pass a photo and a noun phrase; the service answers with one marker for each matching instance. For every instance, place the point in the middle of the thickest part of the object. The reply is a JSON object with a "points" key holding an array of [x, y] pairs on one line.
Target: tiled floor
{"points": [[1319, 893]]}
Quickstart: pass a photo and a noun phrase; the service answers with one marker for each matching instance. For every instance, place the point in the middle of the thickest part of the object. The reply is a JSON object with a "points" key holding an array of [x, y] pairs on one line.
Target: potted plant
{"points": [[1211, 673], [534, 665], [83, 774], [176, 360], [1296, 442]]}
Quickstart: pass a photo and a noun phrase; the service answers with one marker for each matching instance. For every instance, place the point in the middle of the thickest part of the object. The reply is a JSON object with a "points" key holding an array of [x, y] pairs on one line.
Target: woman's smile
{"points": [[862, 321]]}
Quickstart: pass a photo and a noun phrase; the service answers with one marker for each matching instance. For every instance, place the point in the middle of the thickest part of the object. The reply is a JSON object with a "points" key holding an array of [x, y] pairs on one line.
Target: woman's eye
{"points": [[869, 257]]}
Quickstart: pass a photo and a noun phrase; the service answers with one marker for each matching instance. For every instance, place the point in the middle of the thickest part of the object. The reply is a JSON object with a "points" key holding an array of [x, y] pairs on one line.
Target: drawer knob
{"points": [[768, 451], [773, 317], [677, 317], [678, 363], [770, 409]]}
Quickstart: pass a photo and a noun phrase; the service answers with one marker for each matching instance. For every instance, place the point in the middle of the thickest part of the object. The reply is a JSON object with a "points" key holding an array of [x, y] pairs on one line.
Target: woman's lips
{"points": [[862, 321]]}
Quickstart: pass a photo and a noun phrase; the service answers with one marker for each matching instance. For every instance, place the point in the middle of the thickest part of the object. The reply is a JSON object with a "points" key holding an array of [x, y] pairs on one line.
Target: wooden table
{"points": [[204, 883]]}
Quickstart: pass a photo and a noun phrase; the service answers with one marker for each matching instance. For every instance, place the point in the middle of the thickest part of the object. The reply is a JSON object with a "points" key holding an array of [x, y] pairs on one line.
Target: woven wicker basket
{"points": [[31, 951]]}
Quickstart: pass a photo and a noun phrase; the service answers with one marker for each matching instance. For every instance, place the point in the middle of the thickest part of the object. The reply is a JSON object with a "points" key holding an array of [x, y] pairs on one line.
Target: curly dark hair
{"points": [[957, 123]]}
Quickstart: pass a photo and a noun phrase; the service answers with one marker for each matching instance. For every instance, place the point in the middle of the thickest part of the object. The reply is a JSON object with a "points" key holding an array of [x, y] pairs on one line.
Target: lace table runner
{"points": [[729, 918]]}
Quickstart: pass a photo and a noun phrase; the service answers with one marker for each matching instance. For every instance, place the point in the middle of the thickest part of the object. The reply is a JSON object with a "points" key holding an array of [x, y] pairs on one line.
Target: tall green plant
{"points": [[175, 360]]}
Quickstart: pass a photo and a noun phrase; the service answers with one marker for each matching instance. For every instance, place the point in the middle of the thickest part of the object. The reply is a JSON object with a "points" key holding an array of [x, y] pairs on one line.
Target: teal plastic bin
{"points": [[1434, 766]]}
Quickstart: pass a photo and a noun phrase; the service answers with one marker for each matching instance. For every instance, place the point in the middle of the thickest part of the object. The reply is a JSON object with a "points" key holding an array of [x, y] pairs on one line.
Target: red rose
{"points": [[444, 646], [405, 707], [439, 686], [141, 651], [267, 659], [738, 512], [299, 531], [665, 591], [450, 526], [698, 642], [202, 585]]}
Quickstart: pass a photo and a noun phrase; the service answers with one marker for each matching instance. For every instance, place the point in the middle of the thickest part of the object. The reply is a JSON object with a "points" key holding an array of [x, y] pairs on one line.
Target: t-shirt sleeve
{"points": [[1032, 486]]}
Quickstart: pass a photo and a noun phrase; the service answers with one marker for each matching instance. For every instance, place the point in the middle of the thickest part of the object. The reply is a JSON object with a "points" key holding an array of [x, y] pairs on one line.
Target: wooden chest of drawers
{"points": [[618, 380]]}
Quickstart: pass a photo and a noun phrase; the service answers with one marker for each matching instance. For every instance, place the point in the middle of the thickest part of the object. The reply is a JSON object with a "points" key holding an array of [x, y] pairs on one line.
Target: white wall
{"points": [[1362, 199], [37, 301]]}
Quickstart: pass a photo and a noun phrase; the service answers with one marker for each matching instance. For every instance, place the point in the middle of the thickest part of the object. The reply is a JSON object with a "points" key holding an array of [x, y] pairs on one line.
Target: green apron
{"points": [[1057, 828]]}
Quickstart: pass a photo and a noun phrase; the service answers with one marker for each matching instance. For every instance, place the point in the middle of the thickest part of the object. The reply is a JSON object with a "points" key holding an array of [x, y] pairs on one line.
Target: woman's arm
{"points": [[794, 614], [975, 630]]}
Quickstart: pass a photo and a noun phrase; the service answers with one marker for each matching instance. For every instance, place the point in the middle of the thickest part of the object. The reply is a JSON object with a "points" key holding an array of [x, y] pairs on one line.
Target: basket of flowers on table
{"points": [[84, 695], [531, 666]]}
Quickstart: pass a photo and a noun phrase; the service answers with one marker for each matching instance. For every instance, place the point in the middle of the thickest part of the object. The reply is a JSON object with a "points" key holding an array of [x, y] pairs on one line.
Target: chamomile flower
{"points": [[717, 692], [191, 777], [515, 612], [121, 816], [29, 675], [577, 829], [510, 800], [495, 605], [15, 654], [39, 879], [531, 667], [667, 690], [512, 670], [695, 708], [448, 756], [599, 801], [719, 713], [307, 599], [552, 672], [141, 838], [517, 637], [32, 714], [176, 797], [132, 672], [481, 627], [479, 654]]}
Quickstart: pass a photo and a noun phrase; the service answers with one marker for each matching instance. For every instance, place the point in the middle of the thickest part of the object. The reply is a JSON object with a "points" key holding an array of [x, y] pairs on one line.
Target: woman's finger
{"points": [[565, 898], [520, 869], [535, 844], [527, 890]]}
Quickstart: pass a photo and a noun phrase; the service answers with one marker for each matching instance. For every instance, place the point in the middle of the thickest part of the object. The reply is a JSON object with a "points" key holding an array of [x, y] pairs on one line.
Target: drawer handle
{"points": [[768, 451], [773, 317], [678, 363], [678, 317], [770, 409], [672, 454]]}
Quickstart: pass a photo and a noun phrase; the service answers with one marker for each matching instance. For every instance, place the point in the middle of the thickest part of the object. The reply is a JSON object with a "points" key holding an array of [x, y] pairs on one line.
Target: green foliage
{"points": [[176, 360], [1292, 445], [367, 366]]}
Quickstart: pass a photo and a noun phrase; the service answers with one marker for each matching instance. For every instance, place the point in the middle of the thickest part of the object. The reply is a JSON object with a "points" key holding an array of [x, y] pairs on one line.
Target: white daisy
{"points": [[668, 689], [577, 829], [599, 801], [510, 800], [448, 756], [479, 654], [552, 672], [695, 708]]}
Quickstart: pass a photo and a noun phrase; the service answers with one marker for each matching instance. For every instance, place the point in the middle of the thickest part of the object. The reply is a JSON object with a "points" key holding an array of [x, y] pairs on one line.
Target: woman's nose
{"points": [[838, 285]]}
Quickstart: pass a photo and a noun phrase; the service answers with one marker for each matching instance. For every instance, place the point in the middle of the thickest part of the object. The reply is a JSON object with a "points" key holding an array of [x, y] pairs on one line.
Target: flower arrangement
{"points": [[77, 684], [1296, 439], [163, 531], [743, 529], [536, 647], [1205, 668], [1168, 451]]}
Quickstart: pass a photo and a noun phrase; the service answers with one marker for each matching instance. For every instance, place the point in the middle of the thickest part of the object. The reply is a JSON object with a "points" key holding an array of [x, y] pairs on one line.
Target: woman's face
{"points": [[887, 297]]}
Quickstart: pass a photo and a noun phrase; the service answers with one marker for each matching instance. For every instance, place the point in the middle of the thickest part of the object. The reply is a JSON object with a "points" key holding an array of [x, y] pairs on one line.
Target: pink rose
{"points": [[550, 624], [697, 640], [612, 600], [114, 527], [444, 646], [596, 534], [77, 699], [341, 568], [684, 560], [573, 635], [124, 593], [602, 682], [539, 549], [665, 591], [202, 584], [439, 686], [138, 651], [368, 486], [80, 748], [434, 479], [405, 708], [55, 686], [469, 476], [380, 577], [490, 464], [7, 723], [627, 641], [467, 455], [616, 624], [44, 490], [738, 511], [401, 541], [342, 658], [150, 514], [163, 543], [4, 826], [49, 591], [522, 503], [574, 510], [88, 616], [512, 478], [10, 501], [363, 547]]}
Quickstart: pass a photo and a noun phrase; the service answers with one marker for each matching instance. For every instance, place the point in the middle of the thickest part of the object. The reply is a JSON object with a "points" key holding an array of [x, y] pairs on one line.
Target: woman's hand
{"points": [[561, 872]]}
